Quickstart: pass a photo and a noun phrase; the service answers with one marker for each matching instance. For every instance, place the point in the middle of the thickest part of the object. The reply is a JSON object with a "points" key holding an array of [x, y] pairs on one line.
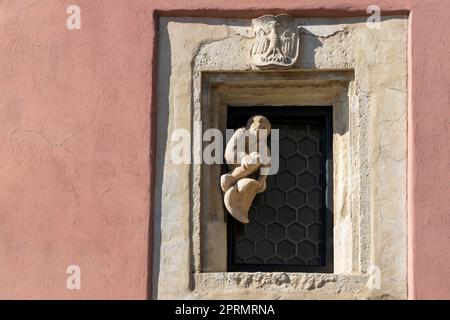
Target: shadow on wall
{"points": [[164, 71], [309, 43]]}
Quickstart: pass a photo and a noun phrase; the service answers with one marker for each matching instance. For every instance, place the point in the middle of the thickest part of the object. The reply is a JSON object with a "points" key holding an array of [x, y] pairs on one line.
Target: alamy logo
{"points": [[374, 21], [73, 22], [248, 147], [374, 280], [73, 281]]}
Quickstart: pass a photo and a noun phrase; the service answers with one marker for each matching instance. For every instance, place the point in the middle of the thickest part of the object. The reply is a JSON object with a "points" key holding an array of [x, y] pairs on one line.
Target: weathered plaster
{"points": [[74, 160], [53, 78], [374, 129]]}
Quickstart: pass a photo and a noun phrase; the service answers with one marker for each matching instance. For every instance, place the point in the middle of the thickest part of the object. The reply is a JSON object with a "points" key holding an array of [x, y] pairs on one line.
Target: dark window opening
{"points": [[291, 223]]}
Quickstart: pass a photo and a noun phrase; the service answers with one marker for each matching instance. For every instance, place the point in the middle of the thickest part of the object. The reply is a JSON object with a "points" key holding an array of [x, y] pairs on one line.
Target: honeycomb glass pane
{"points": [[314, 232], [286, 220], [245, 248], [296, 164], [314, 199], [265, 249], [307, 181], [306, 215], [314, 165], [307, 250], [296, 232], [307, 147], [275, 232], [287, 146], [275, 260], [315, 131], [254, 231], [286, 215], [260, 199], [297, 131], [296, 198], [286, 249], [282, 164], [265, 215], [276, 197], [286, 181]]}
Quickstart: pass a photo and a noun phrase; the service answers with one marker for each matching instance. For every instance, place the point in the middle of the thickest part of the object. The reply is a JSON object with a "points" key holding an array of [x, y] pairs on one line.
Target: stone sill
{"points": [[270, 285]]}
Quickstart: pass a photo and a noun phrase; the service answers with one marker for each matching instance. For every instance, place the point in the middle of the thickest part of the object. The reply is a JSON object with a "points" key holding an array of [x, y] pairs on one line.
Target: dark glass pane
{"points": [[287, 221]]}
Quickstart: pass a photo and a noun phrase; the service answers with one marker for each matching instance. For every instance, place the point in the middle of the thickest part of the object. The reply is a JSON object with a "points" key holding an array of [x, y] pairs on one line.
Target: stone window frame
{"points": [[218, 90], [377, 109]]}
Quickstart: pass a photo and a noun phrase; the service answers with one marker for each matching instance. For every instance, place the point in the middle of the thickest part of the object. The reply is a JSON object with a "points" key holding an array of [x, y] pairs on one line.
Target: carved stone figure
{"points": [[248, 159], [276, 43]]}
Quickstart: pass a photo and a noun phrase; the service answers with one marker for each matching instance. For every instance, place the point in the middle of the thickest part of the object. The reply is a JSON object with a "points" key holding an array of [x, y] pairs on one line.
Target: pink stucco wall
{"points": [[77, 143]]}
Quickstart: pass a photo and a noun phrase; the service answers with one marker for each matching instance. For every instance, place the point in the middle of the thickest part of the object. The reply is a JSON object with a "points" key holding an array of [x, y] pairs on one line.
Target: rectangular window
{"points": [[291, 223]]}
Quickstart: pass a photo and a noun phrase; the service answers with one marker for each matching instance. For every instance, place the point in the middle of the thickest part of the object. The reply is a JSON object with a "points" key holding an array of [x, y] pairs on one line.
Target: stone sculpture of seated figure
{"points": [[248, 159]]}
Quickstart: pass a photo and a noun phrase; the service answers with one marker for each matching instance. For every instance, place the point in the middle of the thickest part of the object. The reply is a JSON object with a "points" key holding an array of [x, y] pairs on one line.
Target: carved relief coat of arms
{"points": [[276, 43]]}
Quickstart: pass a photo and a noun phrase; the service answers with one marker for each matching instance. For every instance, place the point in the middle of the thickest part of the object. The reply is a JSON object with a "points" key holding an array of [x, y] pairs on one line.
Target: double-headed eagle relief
{"points": [[276, 43]]}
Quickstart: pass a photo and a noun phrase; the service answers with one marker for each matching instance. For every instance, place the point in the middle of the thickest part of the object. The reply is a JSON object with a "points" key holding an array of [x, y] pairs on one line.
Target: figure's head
{"points": [[259, 126], [271, 27]]}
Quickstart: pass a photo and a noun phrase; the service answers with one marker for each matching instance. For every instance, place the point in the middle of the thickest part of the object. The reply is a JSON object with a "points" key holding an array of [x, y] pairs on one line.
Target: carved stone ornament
{"points": [[248, 159], [276, 42]]}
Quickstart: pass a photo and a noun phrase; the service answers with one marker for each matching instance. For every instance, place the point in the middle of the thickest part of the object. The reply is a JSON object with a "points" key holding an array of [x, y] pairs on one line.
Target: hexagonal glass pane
{"points": [[307, 181], [255, 260], [286, 227], [315, 131], [307, 147], [286, 181], [296, 261], [265, 214], [265, 249], [287, 146], [314, 232], [296, 232], [314, 199], [314, 261], [306, 215], [298, 131], [314, 164], [271, 181], [275, 232], [245, 248], [275, 261], [276, 197], [260, 199], [240, 232], [251, 214], [296, 164], [255, 231], [238, 259], [296, 198], [282, 164], [286, 215], [306, 250], [285, 249]]}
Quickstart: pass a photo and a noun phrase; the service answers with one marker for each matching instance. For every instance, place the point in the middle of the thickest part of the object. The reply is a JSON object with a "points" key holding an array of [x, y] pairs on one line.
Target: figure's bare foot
{"points": [[227, 181]]}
